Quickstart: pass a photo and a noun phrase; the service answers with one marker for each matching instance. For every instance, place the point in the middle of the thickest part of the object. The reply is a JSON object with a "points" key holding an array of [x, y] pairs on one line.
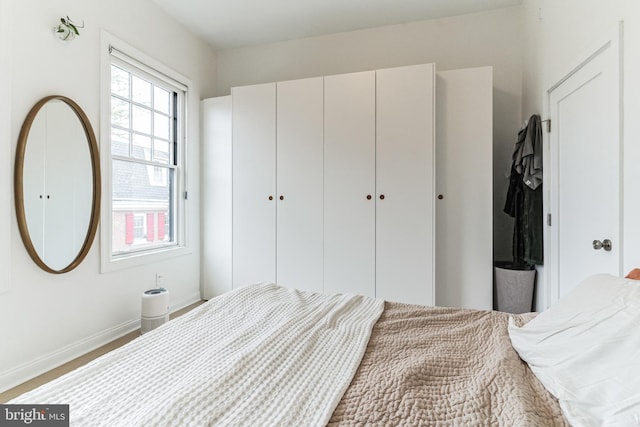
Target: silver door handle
{"points": [[605, 244]]}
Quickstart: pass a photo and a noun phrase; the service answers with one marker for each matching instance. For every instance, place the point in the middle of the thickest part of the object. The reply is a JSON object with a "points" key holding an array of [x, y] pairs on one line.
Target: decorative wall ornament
{"points": [[67, 30]]}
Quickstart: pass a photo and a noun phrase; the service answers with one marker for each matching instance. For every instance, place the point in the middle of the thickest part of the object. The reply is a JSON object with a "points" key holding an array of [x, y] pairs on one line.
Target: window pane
{"points": [[161, 126], [119, 112], [141, 147], [119, 81], [142, 206], [119, 142], [141, 119], [161, 151], [161, 100], [141, 91]]}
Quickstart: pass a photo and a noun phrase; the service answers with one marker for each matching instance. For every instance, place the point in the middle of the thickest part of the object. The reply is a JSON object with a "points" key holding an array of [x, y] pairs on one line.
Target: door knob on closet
{"points": [[605, 244], [382, 197], [368, 196], [281, 197], [270, 197]]}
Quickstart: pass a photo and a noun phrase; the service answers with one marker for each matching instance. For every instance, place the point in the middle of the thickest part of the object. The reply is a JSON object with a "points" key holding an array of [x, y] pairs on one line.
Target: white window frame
{"points": [[114, 47]]}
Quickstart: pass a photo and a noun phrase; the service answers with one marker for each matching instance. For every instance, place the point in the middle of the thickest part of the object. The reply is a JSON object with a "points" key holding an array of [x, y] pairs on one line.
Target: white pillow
{"points": [[586, 351]]}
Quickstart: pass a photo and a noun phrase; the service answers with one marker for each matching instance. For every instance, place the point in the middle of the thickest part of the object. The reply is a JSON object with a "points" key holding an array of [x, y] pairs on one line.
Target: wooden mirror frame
{"points": [[19, 183]]}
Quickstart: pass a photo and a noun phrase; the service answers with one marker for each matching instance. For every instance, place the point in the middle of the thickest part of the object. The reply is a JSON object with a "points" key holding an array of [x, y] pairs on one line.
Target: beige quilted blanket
{"points": [[444, 367]]}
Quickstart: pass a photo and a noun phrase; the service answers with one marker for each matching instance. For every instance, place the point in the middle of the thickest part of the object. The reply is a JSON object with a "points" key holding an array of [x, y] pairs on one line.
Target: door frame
{"points": [[613, 40]]}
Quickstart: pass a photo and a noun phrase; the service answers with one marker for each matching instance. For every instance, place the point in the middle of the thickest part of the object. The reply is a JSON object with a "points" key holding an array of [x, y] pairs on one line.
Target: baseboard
{"points": [[31, 369], [38, 366], [185, 302]]}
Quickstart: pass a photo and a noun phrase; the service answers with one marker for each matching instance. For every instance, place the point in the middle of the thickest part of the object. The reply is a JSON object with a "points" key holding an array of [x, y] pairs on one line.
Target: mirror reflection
{"points": [[57, 184]]}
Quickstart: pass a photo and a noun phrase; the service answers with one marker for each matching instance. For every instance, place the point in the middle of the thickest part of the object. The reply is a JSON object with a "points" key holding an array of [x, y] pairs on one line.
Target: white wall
{"points": [[557, 33], [490, 38], [46, 319], [5, 147]]}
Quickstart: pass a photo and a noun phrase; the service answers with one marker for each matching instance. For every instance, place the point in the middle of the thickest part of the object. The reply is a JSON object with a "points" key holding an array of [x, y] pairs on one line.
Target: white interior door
{"points": [[585, 164], [299, 183], [405, 184], [254, 184], [349, 183]]}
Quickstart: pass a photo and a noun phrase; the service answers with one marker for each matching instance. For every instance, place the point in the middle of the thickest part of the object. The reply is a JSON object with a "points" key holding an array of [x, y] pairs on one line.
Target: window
{"points": [[146, 119], [139, 227]]}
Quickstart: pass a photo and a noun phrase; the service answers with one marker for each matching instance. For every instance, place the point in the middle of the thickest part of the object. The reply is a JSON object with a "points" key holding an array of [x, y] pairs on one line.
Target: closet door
{"points": [[349, 183], [405, 184], [299, 184], [254, 184], [217, 197], [464, 215]]}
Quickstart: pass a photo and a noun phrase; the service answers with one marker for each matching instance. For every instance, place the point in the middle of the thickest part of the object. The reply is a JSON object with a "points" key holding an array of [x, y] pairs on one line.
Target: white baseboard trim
{"points": [[38, 366], [185, 302]]}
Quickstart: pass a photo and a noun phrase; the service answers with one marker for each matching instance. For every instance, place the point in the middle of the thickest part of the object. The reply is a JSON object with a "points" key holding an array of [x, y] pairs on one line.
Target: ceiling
{"points": [[234, 23]]}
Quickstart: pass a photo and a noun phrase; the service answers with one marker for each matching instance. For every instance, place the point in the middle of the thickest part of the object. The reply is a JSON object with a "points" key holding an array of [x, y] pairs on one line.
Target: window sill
{"points": [[109, 265]]}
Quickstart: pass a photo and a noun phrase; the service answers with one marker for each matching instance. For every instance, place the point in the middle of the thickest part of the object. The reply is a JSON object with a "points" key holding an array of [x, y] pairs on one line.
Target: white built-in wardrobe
{"points": [[328, 184]]}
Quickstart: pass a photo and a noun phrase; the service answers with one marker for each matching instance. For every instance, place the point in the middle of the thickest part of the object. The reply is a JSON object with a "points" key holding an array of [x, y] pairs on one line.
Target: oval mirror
{"points": [[57, 184]]}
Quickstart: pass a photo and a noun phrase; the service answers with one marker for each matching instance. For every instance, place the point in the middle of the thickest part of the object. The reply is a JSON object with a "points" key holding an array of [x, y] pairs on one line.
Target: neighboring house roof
{"points": [[132, 181]]}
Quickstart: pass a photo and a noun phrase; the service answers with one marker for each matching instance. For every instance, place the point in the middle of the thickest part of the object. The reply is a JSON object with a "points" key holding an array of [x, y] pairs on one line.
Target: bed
{"points": [[269, 355]]}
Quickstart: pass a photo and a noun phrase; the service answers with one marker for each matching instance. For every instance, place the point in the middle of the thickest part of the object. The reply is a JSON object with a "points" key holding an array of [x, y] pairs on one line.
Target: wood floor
{"points": [[82, 360]]}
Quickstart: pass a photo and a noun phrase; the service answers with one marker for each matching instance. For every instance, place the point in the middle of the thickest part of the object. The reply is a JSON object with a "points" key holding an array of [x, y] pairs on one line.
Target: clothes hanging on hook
{"points": [[527, 156], [524, 196]]}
